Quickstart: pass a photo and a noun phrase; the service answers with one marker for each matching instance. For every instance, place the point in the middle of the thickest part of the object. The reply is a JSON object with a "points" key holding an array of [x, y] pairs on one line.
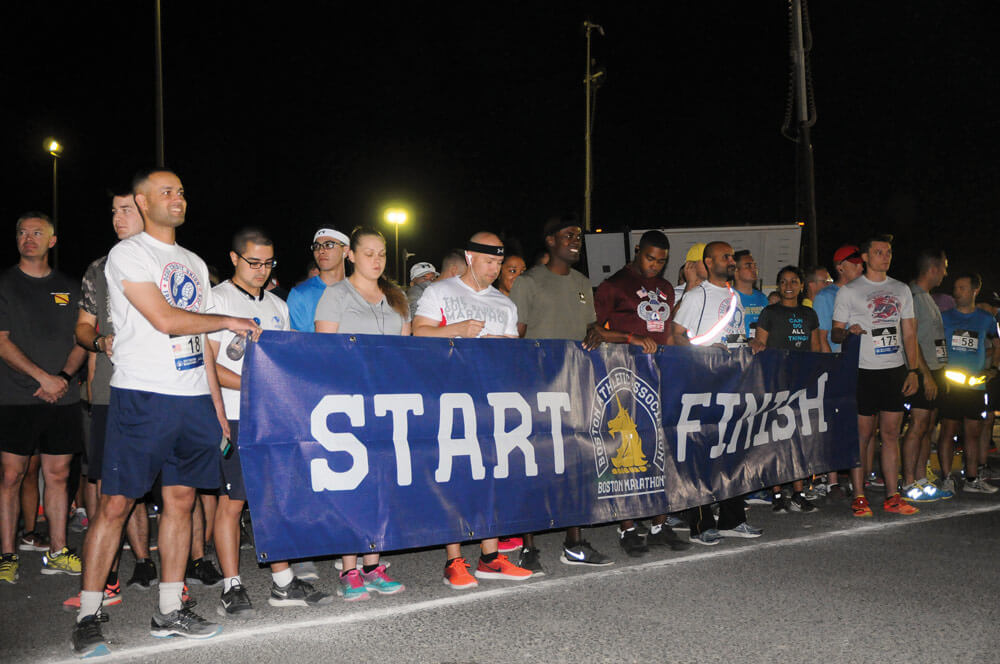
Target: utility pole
{"points": [[800, 89], [158, 40], [588, 83]]}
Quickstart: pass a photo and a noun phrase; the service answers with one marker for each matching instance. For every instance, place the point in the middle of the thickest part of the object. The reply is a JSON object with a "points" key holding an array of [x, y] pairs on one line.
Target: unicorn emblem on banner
{"points": [[629, 458]]}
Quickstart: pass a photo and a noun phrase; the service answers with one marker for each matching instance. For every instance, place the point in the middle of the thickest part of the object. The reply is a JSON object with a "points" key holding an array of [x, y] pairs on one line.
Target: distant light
{"points": [[396, 216], [598, 230], [54, 147], [801, 223]]}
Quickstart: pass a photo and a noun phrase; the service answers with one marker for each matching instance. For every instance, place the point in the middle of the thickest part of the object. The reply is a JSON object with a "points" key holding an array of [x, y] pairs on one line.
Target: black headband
{"points": [[490, 249]]}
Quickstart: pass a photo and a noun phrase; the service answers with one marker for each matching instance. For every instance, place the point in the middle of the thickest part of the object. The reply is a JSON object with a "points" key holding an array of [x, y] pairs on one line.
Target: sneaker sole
{"points": [[398, 589], [734, 533], [500, 575], [287, 602], [695, 540], [166, 633], [52, 570], [236, 615], [31, 547], [356, 598], [586, 563], [467, 586], [509, 550], [141, 586], [100, 650]]}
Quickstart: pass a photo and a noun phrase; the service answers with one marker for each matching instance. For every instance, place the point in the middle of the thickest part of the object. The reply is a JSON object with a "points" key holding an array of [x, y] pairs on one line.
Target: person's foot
{"points": [[582, 553], [667, 537], [183, 622], [457, 575], [860, 507], [202, 572], [235, 603], [835, 492], [144, 575], [917, 493], [306, 570], [632, 544], [87, 639], [501, 568], [709, 537], [676, 523], [9, 564], [297, 593], [744, 530], [799, 503], [762, 497], [64, 561], [112, 597], [947, 487], [78, 522], [531, 561], [378, 581], [977, 485], [509, 544], [781, 504], [32, 541], [895, 504]]}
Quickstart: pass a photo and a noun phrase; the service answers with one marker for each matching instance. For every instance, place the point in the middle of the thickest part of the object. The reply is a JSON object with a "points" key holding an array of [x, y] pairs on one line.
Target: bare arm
{"points": [[680, 335], [427, 327], [227, 377], [816, 342], [50, 388], [148, 299], [824, 343], [913, 357], [759, 341], [327, 326], [213, 387], [840, 331]]}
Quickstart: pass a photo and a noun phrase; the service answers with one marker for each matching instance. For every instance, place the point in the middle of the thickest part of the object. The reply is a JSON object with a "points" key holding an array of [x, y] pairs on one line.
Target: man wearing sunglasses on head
{"points": [[328, 247]]}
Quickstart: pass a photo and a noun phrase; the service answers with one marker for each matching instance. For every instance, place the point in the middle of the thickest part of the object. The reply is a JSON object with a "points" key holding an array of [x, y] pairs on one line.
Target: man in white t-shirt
{"points": [[469, 306], [880, 310], [165, 415], [711, 314]]}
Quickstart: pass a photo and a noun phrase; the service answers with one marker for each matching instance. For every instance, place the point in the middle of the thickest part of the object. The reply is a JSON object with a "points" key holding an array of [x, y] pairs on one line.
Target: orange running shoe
{"points": [[112, 596], [501, 568], [861, 507], [457, 575], [896, 505]]}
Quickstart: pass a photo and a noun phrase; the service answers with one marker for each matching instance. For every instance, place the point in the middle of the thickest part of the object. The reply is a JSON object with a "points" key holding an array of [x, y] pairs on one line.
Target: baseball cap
{"points": [[420, 269], [329, 232], [848, 252], [696, 253]]}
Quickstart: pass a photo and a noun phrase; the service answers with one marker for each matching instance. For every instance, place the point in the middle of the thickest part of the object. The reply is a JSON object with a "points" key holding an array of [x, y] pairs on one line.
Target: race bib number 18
{"points": [[187, 352]]}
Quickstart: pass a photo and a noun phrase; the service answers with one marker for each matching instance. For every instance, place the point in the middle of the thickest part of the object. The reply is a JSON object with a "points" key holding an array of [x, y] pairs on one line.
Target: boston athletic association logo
{"points": [[627, 433], [180, 287]]}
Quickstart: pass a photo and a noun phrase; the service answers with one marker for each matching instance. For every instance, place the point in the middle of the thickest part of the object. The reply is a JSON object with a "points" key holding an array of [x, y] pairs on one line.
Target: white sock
{"points": [[90, 603], [282, 578], [655, 529], [170, 596], [231, 581]]}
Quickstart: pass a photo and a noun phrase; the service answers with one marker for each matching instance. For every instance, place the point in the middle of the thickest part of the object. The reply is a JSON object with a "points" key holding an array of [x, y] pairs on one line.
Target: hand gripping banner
{"points": [[357, 443]]}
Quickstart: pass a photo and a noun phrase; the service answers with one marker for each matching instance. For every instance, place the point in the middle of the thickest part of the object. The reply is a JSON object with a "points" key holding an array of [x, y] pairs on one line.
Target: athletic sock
{"points": [[230, 581], [282, 578], [368, 569], [449, 562], [90, 603], [489, 557], [170, 596]]}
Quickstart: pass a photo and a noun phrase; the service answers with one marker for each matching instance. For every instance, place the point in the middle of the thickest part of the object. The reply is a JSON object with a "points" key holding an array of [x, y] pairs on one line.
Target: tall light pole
{"points": [[158, 44], [397, 217], [588, 81], [55, 149]]}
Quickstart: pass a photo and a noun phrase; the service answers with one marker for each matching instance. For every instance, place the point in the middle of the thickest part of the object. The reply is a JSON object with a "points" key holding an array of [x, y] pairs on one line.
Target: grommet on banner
{"points": [[451, 342], [552, 523], [263, 556], [353, 339], [372, 546], [471, 533]]}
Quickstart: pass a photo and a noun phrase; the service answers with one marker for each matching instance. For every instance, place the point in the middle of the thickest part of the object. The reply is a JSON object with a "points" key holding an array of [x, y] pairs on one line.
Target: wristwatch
{"points": [[97, 345]]}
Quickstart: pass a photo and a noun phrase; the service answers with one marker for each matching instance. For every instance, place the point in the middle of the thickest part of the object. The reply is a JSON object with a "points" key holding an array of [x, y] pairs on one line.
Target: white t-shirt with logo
{"points": [[144, 358], [452, 301], [270, 313], [879, 307], [703, 306]]}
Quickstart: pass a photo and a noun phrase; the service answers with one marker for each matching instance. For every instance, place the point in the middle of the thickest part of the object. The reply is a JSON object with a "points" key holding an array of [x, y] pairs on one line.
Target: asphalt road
{"points": [[823, 586]]}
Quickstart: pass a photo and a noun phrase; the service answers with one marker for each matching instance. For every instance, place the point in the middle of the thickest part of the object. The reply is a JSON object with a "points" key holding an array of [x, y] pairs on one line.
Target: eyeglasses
{"points": [[260, 265], [329, 245]]}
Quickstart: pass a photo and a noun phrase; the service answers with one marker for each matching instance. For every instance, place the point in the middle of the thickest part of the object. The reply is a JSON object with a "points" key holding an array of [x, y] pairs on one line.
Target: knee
{"points": [[114, 508], [11, 476]]}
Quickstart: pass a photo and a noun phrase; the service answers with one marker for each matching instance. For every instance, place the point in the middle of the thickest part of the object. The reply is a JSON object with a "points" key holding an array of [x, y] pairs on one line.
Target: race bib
{"points": [[940, 351], [885, 340], [965, 340], [187, 352], [735, 341]]}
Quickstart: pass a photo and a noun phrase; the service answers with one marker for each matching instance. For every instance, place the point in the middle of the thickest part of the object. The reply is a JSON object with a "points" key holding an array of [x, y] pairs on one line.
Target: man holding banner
{"points": [[469, 306]]}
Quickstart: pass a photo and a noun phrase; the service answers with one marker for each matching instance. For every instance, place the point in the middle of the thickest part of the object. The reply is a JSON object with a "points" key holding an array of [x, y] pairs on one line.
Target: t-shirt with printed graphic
{"points": [[708, 308], [39, 314], [753, 304], [269, 312], [968, 336], [628, 302], [930, 328], [146, 359], [453, 301], [879, 307], [788, 328]]}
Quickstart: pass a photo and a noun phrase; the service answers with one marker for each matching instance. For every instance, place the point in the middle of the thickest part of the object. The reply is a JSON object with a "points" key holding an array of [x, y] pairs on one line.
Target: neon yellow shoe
{"points": [[8, 568], [62, 562]]}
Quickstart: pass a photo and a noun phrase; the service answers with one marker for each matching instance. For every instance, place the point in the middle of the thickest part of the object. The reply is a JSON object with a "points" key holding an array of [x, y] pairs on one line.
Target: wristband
{"points": [[916, 371], [96, 344], [628, 339], [63, 374]]}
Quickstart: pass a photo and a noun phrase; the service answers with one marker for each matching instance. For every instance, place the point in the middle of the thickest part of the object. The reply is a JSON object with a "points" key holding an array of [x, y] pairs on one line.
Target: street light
{"points": [[55, 149], [396, 217]]}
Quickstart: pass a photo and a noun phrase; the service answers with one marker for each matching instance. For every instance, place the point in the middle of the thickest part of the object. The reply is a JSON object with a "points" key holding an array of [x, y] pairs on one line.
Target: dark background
{"points": [[296, 114]]}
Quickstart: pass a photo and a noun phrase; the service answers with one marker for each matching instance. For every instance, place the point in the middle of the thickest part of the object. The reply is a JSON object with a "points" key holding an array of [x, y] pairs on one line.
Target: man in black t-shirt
{"points": [[37, 316]]}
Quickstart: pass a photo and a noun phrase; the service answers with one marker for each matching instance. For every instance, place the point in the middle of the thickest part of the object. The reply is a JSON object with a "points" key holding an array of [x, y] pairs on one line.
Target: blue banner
{"points": [[357, 443]]}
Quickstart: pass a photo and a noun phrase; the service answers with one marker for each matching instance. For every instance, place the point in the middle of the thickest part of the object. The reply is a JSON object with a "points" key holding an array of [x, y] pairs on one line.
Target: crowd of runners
{"points": [[123, 392]]}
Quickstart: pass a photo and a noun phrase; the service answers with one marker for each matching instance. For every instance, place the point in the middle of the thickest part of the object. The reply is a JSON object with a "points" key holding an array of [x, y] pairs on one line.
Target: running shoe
{"points": [[977, 485], [667, 537], [709, 537], [235, 603], [744, 530], [799, 503], [921, 491], [112, 597], [457, 575], [8, 567], [632, 544], [87, 638], [762, 497], [64, 561], [860, 507], [509, 544], [144, 575], [32, 541], [378, 581], [875, 482], [986, 473], [896, 505], [530, 560], [836, 492], [351, 586], [929, 487], [582, 553], [817, 491], [676, 523], [78, 522], [183, 622], [947, 486], [501, 568], [306, 570], [202, 572], [781, 504], [297, 593]]}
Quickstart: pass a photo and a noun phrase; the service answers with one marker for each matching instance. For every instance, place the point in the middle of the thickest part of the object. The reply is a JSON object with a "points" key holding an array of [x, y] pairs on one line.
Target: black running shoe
{"points": [[582, 553], [87, 638], [297, 593], [529, 560], [144, 575], [781, 504], [235, 603], [632, 543], [183, 622], [667, 537], [202, 572], [799, 503]]}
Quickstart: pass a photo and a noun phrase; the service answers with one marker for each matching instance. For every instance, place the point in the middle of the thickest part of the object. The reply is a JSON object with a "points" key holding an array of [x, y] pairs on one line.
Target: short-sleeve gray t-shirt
{"points": [[342, 303], [94, 299], [554, 306], [930, 328]]}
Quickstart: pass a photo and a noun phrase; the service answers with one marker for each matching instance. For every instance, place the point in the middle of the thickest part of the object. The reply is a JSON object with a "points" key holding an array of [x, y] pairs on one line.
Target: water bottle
{"points": [[236, 348]]}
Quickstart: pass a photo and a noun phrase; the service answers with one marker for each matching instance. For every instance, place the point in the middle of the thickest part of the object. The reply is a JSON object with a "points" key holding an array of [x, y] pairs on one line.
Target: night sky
{"points": [[291, 115]]}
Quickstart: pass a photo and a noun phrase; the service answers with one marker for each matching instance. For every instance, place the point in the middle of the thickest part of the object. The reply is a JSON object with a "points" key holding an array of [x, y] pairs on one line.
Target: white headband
{"points": [[329, 232]]}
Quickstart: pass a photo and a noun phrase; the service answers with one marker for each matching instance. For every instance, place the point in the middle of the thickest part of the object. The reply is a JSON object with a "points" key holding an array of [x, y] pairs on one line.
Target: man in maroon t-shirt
{"points": [[633, 307]]}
